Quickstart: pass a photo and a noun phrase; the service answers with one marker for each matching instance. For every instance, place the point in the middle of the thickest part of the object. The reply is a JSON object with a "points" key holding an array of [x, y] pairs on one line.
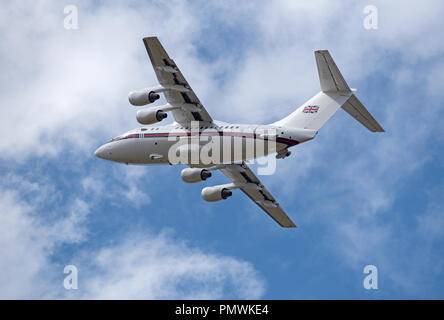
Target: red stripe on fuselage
{"points": [[188, 134]]}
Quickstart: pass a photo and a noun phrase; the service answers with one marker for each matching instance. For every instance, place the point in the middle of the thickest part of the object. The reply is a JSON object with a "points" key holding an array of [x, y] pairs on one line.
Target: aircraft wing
{"points": [[241, 175], [179, 92]]}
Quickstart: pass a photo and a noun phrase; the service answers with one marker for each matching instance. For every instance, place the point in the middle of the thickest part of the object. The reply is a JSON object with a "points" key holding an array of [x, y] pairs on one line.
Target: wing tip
{"points": [[378, 128], [289, 225]]}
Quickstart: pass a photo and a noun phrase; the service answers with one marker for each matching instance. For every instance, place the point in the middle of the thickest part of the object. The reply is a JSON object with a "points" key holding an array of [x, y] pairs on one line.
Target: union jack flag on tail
{"points": [[310, 109]]}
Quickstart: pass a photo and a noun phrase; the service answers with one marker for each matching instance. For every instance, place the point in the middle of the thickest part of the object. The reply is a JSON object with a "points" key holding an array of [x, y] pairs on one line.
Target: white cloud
{"points": [[69, 87], [138, 266], [26, 243], [93, 186], [71, 228], [162, 267], [131, 182], [22, 254]]}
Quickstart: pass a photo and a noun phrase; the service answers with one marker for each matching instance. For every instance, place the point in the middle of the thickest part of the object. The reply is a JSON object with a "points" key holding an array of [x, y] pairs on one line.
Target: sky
{"points": [[140, 232]]}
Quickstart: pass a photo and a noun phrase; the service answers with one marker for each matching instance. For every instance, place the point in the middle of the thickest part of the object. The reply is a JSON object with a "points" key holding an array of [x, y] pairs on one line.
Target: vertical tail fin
{"points": [[335, 94], [329, 75]]}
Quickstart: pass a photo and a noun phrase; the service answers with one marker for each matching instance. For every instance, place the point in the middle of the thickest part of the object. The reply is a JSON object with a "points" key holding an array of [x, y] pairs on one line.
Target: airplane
{"points": [[155, 145]]}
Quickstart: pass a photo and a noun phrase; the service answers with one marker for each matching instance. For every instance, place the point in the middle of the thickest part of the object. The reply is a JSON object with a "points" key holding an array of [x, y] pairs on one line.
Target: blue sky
{"points": [[140, 232]]}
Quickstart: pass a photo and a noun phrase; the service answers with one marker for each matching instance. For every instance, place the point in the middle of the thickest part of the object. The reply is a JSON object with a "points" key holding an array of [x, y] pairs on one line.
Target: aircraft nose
{"points": [[101, 152]]}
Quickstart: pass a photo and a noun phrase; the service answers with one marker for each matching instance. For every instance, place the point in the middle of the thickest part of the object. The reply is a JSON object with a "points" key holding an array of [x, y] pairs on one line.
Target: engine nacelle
{"points": [[191, 175], [144, 97], [217, 193], [150, 115]]}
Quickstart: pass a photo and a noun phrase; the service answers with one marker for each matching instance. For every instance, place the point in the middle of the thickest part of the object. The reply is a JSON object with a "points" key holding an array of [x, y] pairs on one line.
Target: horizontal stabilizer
{"points": [[356, 109]]}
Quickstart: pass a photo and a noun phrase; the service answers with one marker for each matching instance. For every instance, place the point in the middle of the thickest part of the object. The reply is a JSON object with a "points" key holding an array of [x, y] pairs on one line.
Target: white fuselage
{"points": [[234, 143]]}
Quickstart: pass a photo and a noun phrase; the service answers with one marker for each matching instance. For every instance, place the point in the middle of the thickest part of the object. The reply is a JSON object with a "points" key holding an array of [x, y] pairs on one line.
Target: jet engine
{"points": [[191, 175], [216, 193], [144, 97], [150, 115]]}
